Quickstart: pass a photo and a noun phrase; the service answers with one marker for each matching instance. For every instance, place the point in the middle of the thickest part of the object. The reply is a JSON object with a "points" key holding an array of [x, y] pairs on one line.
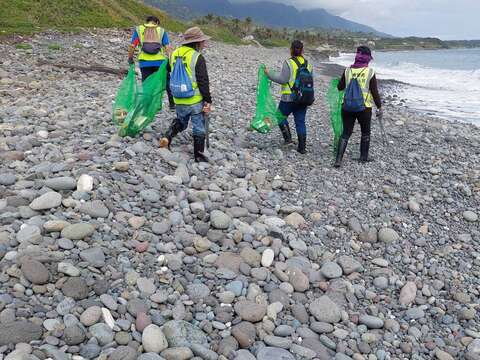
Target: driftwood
{"points": [[95, 67]]}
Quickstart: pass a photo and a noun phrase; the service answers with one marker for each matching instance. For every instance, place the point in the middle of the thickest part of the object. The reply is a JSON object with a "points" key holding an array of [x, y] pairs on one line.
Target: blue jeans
{"points": [[299, 114], [194, 112]]}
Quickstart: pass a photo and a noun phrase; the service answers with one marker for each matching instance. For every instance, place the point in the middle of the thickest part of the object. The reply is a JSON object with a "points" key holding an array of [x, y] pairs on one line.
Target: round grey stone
{"points": [[61, 183], [35, 272], [7, 179], [197, 292], [76, 288], [19, 332], [160, 228], [150, 195], [90, 351], [123, 353], [94, 256], [388, 235], [65, 244], [331, 270], [325, 310], [78, 231], [102, 333], [29, 234], [73, 335], [181, 333], [220, 220], [470, 216], [46, 201], [95, 209], [380, 282], [372, 322], [271, 353], [149, 356]]}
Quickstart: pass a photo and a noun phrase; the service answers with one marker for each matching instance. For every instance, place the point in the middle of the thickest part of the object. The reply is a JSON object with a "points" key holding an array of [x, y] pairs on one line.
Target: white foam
{"points": [[447, 93]]}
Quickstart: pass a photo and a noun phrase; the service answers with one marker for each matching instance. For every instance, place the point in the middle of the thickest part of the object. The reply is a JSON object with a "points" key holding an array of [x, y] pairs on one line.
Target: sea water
{"points": [[443, 83]]}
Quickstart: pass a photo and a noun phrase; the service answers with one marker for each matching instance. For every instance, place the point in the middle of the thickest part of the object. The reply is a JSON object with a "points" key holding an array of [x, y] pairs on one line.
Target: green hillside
{"points": [[27, 16]]}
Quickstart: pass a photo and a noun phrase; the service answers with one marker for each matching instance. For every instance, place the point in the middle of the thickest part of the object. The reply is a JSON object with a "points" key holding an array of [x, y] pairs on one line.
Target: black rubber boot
{"points": [[287, 135], [364, 148], [171, 102], [199, 148], [172, 131], [342, 146], [302, 144]]}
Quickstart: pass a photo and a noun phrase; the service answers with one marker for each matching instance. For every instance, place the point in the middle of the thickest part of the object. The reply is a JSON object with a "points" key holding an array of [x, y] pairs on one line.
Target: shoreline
{"points": [[389, 88], [112, 247]]}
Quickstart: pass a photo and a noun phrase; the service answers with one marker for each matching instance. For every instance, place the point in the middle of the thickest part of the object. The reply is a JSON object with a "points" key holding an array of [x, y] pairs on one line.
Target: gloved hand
{"points": [[131, 61], [379, 113], [207, 108]]}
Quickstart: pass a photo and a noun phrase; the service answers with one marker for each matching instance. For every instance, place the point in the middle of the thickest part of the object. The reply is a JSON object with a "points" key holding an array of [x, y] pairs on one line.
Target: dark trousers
{"points": [[364, 118], [147, 71], [299, 114]]}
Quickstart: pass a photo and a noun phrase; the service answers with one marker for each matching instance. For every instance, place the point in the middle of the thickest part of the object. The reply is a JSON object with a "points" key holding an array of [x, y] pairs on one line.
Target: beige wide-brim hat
{"points": [[194, 35]]}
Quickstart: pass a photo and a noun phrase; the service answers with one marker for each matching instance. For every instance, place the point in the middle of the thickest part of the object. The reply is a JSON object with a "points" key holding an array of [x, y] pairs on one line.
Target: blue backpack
{"points": [[180, 83], [353, 100], [303, 90]]}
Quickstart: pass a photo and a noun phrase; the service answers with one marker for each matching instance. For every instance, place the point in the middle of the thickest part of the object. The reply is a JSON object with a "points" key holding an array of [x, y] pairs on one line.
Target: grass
{"points": [[275, 42], [23, 46], [222, 34], [54, 47], [30, 16], [25, 17]]}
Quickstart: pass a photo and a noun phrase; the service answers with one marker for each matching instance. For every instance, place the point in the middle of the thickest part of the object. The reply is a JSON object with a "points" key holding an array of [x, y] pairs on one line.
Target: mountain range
{"points": [[262, 12]]}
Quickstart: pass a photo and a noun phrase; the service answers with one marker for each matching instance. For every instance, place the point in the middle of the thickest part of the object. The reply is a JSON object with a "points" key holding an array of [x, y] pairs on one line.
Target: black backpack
{"points": [[303, 90]]}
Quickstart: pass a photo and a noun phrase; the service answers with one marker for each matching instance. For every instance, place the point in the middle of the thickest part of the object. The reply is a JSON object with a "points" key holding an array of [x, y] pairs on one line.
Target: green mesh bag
{"points": [[335, 101], [125, 99], [267, 114], [148, 103]]}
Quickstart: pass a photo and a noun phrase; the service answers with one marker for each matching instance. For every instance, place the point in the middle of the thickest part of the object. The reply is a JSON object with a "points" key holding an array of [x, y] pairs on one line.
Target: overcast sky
{"points": [[447, 19]]}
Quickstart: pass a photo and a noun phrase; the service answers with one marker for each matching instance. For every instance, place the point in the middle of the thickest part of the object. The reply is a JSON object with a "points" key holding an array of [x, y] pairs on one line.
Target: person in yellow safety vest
{"points": [[287, 104], [199, 105], [367, 80], [154, 48]]}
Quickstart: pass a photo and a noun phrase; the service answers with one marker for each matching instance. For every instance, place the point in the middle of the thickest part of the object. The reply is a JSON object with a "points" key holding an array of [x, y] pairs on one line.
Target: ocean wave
{"points": [[421, 76], [442, 91]]}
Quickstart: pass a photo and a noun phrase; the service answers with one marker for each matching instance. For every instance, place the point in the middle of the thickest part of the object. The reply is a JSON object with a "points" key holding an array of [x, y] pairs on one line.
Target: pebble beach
{"points": [[112, 248]]}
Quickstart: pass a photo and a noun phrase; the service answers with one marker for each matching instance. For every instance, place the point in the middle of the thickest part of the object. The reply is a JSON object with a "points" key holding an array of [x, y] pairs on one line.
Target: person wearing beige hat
{"points": [[196, 103]]}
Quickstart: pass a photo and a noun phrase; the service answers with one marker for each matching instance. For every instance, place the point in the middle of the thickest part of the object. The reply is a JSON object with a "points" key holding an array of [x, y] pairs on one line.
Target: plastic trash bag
{"points": [[148, 102], [267, 114], [125, 99], [335, 101]]}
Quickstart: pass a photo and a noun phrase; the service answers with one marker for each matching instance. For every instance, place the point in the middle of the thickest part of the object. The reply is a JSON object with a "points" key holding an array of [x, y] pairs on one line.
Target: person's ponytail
{"points": [[296, 48]]}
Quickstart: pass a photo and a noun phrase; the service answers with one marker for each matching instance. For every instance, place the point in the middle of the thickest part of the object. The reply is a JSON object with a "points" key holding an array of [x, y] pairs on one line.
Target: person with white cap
{"points": [[198, 103]]}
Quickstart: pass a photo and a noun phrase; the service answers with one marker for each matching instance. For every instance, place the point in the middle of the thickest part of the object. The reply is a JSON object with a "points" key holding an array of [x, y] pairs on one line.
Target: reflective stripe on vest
{"points": [[363, 76], [141, 36], [286, 88], [189, 57]]}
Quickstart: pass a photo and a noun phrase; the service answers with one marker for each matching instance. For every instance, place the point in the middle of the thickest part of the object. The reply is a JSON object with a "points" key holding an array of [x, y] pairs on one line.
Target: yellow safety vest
{"points": [[189, 57], [287, 88], [363, 76], [141, 35]]}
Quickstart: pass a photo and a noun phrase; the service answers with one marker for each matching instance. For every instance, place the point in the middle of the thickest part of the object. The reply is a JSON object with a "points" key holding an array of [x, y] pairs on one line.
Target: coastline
{"points": [[261, 248], [390, 89]]}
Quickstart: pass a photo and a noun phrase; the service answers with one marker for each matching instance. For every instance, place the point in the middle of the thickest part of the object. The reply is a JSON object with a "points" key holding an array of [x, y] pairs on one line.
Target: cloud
{"points": [[443, 18]]}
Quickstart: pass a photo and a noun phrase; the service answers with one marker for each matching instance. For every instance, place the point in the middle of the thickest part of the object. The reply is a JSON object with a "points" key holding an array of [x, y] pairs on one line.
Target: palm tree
{"points": [[248, 22], [236, 24]]}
